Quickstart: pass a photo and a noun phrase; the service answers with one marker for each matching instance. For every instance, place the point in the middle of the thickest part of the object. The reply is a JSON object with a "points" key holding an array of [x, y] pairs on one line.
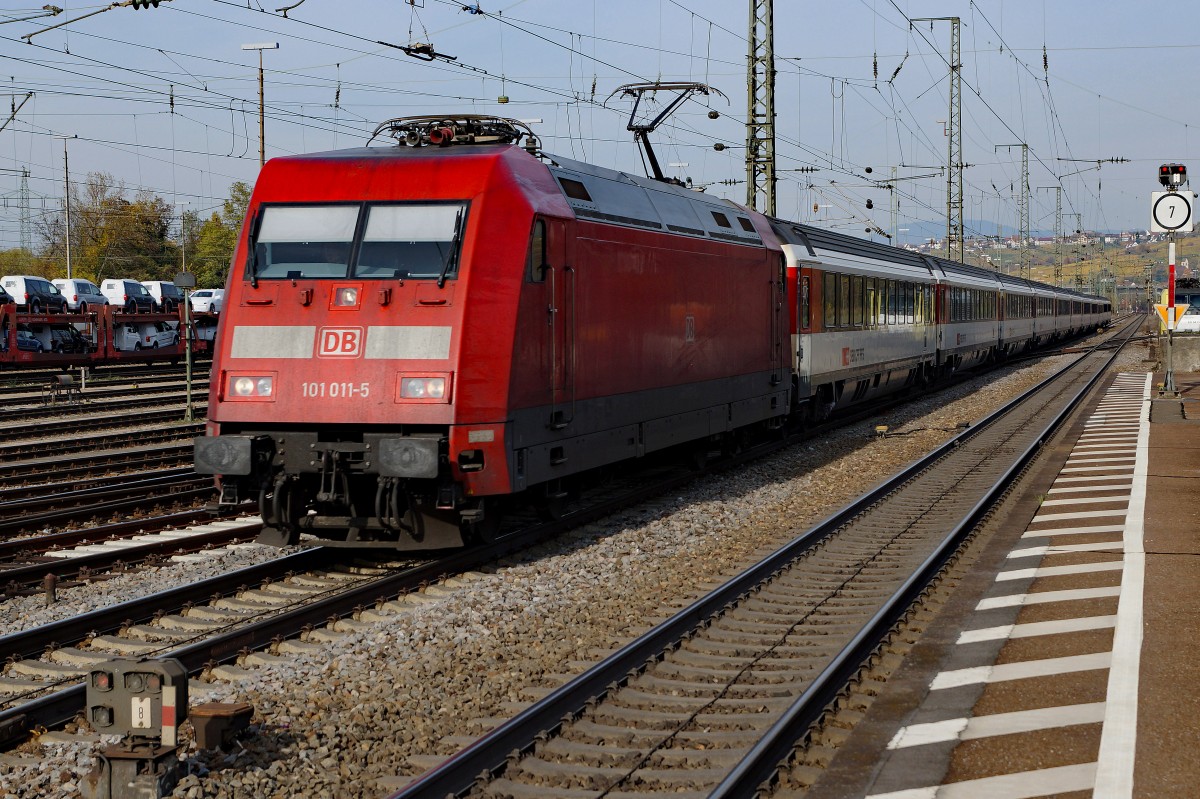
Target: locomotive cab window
{"points": [[391, 241], [305, 241], [410, 241]]}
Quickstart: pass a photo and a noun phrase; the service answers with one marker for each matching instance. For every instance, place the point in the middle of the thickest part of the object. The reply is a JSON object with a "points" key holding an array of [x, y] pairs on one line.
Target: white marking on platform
{"points": [[1118, 740], [1036, 629], [1062, 549], [1047, 597], [1080, 489], [1093, 478], [1127, 465], [1076, 514], [1101, 528], [1087, 458], [1024, 785], [1084, 500], [1003, 672], [995, 724], [1060, 571]]}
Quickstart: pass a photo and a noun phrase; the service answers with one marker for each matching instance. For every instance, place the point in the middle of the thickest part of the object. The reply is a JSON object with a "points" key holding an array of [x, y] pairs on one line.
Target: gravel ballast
{"points": [[357, 716]]}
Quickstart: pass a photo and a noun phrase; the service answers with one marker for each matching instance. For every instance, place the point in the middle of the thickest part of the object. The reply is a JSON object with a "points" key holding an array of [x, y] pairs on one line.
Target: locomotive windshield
{"points": [[405, 241]]}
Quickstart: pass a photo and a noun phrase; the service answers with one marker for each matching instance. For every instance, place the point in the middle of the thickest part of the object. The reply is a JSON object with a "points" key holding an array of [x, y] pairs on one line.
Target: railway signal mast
{"points": [[954, 154], [760, 111], [1170, 212]]}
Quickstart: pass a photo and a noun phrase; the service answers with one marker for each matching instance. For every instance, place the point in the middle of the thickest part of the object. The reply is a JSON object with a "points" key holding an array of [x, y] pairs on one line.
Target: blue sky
{"points": [[1120, 84]]}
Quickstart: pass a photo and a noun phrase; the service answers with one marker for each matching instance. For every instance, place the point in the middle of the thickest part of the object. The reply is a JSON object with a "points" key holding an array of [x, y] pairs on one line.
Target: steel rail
{"points": [[31, 575], [190, 488], [11, 549], [488, 755], [58, 708], [94, 462], [760, 763], [166, 477]]}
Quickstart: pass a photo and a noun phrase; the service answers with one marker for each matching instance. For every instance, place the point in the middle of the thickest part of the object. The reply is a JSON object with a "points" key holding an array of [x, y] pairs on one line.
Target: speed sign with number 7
{"points": [[1171, 211]]}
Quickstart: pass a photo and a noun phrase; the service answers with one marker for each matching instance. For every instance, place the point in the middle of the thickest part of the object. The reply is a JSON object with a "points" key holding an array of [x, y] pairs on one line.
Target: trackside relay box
{"points": [[138, 699]]}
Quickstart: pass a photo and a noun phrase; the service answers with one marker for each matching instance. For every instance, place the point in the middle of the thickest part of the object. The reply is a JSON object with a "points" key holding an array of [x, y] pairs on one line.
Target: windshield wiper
{"points": [[452, 255]]}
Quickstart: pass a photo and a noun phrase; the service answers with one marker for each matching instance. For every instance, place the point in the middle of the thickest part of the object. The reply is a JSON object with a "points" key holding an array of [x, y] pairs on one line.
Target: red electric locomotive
{"points": [[414, 333]]}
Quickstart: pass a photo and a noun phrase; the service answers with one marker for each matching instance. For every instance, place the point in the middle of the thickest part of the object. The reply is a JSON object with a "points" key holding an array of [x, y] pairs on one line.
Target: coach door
{"points": [[562, 290], [802, 346]]}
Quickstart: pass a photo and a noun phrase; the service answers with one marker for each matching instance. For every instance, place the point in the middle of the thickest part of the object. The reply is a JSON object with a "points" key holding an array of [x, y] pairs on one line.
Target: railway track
{"points": [[98, 390], [27, 380], [221, 620], [126, 496], [145, 432], [713, 700], [273, 620], [40, 414], [76, 556], [86, 463]]}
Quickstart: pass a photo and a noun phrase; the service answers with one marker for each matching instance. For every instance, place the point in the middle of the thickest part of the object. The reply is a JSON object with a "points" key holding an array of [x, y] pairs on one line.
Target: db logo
{"points": [[339, 342]]}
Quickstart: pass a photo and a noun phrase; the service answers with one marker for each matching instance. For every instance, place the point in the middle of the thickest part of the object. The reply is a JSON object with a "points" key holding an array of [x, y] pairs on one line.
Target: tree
{"points": [[216, 239], [111, 236]]}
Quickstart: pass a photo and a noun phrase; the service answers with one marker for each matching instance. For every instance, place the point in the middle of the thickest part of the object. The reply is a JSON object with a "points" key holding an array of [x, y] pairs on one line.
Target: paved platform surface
{"points": [[1068, 665]]}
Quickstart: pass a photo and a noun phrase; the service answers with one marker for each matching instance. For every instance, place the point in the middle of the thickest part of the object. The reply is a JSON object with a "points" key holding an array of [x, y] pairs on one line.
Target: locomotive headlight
{"points": [[430, 388], [423, 388], [250, 387], [346, 296]]}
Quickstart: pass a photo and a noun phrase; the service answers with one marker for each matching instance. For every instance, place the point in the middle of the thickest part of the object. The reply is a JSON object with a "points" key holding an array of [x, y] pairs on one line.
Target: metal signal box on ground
{"points": [[138, 699]]}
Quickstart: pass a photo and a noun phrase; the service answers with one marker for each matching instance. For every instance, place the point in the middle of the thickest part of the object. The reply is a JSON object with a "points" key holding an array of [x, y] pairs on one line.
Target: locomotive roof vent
{"points": [[443, 131]]}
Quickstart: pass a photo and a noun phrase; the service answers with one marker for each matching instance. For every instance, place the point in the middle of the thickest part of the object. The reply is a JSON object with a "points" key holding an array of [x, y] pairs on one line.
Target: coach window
{"points": [[893, 292], [829, 292], [857, 300], [919, 304], [843, 300], [535, 260], [871, 317]]}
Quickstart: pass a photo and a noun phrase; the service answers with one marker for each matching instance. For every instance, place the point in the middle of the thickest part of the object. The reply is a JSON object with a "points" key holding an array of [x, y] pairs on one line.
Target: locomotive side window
{"points": [[410, 241], [305, 241], [575, 190], [720, 219], [535, 260]]}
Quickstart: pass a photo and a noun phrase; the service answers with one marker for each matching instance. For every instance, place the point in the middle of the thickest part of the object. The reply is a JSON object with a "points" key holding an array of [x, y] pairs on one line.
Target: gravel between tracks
{"points": [[346, 720]]}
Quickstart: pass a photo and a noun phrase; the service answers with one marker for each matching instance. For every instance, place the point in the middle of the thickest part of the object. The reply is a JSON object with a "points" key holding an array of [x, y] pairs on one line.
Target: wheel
{"points": [[35, 307], [154, 345], [176, 341], [83, 307], [131, 307], [137, 345]]}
